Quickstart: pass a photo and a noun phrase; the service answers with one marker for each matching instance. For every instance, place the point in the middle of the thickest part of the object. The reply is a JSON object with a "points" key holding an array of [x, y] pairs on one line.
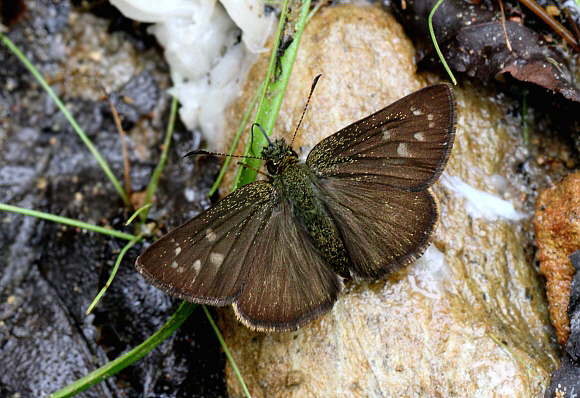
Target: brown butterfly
{"points": [[360, 207]]}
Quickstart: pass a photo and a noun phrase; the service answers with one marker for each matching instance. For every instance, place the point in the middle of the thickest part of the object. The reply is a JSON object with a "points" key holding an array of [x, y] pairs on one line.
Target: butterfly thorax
{"points": [[297, 185]]}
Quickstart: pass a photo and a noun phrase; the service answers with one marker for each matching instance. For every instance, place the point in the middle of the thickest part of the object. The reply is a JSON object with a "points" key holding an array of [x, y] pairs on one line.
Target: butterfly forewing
{"points": [[205, 260], [404, 145], [383, 228], [291, 283]]}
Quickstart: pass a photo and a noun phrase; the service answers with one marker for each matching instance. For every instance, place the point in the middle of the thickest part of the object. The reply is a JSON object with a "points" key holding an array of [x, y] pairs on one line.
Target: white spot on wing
{"points": [[216, 259], [177, 250], [402, 150], [430, 117], [174, 264], [386, 135], [419, 136], [210, 235], [417, 112], [197, 265]]}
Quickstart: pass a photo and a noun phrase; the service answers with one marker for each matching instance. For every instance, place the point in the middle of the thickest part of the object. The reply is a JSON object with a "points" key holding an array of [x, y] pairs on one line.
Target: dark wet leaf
{"points": [[12, 11], [473, 41]]}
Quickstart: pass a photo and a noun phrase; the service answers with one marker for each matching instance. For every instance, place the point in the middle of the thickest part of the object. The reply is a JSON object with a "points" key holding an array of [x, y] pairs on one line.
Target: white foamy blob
{"points": [[208, 64], [481, 204], [428, 274]]}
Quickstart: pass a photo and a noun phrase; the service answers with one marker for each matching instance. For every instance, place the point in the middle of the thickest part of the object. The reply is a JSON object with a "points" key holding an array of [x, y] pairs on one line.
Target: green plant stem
{"points": [[274, 92], [67, 221], [162, 159], [439, 53], [227, 351], [131, 357], [68, 116]]}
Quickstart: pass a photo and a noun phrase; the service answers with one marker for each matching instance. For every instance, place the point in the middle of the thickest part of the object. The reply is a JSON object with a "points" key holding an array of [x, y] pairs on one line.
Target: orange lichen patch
{"points": [[557, 227]]}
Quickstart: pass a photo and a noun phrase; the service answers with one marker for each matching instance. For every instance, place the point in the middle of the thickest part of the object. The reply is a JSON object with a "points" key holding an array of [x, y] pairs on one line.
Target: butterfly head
{"points": [[278, 154]]}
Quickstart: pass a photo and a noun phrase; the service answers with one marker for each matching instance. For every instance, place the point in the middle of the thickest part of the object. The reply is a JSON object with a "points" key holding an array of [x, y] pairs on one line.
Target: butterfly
{"points": [[360, 207]]}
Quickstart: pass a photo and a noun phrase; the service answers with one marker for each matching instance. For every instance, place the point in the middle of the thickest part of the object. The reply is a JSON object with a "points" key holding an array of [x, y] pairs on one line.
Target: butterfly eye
{"points": [[272, 168]]}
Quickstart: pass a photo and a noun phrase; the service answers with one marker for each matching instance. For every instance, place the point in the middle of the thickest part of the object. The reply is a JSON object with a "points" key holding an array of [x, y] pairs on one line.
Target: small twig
{"points": [[507, 39], [573, 22], [547, 18], [157, 172], [123, 144]]}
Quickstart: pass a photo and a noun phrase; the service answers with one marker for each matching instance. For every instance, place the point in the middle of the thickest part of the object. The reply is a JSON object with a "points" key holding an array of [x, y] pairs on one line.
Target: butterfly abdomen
{"points": [[296, 185]]}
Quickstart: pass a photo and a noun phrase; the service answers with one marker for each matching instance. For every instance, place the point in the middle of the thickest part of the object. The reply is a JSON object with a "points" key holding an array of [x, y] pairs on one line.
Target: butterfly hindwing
{"points": [[383, 228], [404, 145], [205, 260], [290, 282], [250, 250], [374, 177]]}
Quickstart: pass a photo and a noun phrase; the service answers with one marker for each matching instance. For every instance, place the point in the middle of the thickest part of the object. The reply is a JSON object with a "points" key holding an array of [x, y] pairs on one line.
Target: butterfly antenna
{"points": [[263, 132], [305, 106], [204, 152]]}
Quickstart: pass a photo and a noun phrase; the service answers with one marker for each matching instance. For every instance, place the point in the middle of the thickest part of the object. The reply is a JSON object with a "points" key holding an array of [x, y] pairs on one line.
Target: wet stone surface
{"points": [[467, 318], [50, 273]]}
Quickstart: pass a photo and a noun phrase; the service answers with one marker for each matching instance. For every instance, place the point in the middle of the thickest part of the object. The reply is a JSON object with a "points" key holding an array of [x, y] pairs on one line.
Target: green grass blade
{"points": [[227, 351], [131, 357], [113, 273], [439, 53], [67, 221], [68, 116], [139, 211], [274, 91]]}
